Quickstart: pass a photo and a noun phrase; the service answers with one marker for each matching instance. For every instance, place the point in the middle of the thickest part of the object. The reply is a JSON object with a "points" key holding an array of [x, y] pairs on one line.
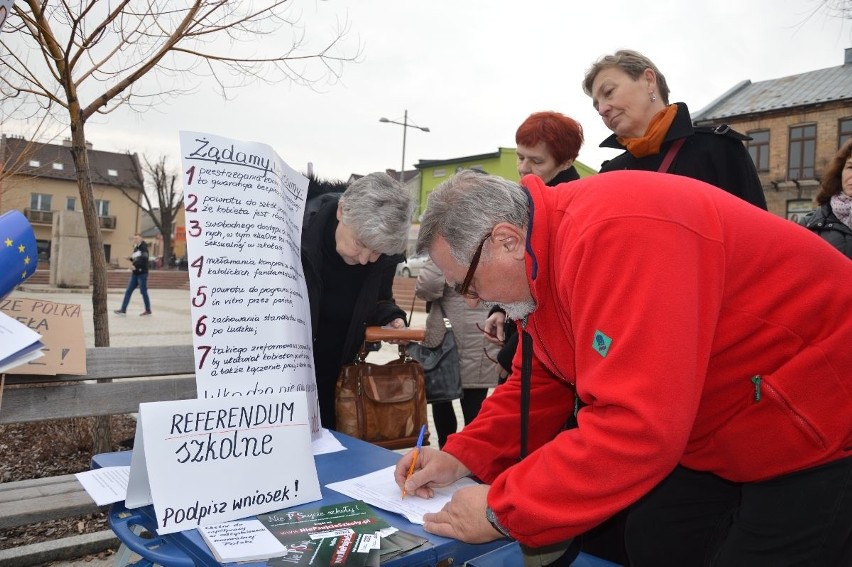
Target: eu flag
{"points": [[18, 253]]}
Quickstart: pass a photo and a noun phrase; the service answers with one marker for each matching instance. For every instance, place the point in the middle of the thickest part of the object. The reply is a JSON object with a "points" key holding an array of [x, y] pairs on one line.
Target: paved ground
{"points": [[169, 324]]}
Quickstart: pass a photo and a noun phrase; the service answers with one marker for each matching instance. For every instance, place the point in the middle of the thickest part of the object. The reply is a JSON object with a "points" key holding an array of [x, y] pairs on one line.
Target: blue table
{"points": [[187, 548]]}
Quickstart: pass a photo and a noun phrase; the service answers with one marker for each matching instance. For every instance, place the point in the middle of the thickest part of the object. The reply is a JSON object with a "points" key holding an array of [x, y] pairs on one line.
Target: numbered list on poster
{"points": [[250, 312]]}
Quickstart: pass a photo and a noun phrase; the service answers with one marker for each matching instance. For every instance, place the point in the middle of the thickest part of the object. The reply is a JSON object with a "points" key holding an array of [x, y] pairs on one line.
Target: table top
{"points": [[358, 459]]}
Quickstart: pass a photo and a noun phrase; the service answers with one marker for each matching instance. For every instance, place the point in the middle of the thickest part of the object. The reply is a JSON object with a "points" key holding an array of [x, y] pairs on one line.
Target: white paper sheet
{"points": [[105, 485], [380, 490], [326, 443]]}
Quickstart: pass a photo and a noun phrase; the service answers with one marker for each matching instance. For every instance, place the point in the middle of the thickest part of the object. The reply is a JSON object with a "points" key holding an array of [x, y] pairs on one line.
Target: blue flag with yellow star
{"points": [[18, 253]]}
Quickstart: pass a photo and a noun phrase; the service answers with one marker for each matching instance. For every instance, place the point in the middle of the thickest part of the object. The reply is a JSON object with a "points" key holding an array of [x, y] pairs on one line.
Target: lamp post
{"points": [[405, 126]]}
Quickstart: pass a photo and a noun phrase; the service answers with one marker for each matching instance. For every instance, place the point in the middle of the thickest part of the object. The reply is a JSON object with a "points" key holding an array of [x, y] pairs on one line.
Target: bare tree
{"points": [[74, 60], [161, 199], [838, 8]]}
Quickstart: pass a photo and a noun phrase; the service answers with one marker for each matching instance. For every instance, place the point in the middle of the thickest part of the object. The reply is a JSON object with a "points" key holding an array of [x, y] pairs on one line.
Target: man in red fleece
{"points": [[703, 346]]}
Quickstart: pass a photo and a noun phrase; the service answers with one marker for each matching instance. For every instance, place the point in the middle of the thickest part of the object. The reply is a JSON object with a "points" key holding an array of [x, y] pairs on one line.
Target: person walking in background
{"points": [[138, 276], [832, 220], [548, 143], [476, 353], [632, 97], [351, 244]]}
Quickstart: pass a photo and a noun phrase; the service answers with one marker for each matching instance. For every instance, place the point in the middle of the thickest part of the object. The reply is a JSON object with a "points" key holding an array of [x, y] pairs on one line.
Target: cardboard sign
{"points": [[204, 462], [61, 328]]}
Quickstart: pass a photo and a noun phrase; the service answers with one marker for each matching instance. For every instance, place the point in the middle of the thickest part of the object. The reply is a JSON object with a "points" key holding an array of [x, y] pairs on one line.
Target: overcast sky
{"points": [[473, 70]]}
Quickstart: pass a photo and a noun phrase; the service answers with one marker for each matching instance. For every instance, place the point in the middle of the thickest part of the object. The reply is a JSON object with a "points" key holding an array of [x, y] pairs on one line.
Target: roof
{"points": [[436, 162], [54, 161], [833, 84], [407, 175]]}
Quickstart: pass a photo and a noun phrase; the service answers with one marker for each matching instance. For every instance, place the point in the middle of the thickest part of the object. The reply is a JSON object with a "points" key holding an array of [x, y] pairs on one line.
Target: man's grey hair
{"points": [[379, 210], [463, 210], [632, 63]]}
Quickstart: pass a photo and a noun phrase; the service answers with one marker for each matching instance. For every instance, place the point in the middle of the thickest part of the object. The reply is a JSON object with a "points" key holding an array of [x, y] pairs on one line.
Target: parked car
{"points": [[411, 267]]}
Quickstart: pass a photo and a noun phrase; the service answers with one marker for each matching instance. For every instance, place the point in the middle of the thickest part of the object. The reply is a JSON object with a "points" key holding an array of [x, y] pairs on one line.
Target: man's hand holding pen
{"points": [[433, 468], [463, 518]]}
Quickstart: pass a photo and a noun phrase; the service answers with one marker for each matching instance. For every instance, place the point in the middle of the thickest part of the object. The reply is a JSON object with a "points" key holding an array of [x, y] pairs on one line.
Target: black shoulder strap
{"points": [[722, 130], [526, 385]]}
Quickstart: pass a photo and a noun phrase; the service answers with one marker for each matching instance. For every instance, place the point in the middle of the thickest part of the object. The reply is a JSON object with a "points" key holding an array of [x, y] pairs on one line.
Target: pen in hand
{"points": [[414, 457]]}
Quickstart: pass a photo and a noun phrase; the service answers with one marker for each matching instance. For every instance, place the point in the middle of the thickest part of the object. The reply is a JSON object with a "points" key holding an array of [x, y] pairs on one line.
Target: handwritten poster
{"points": [[61, 328], [250, 313], [214, 460]]}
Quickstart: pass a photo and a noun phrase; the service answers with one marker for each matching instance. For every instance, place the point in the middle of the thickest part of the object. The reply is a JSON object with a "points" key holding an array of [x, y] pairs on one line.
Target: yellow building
{"points": [[40, 179]]}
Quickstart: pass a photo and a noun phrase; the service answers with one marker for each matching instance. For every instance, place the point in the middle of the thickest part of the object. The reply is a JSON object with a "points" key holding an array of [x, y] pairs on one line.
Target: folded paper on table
{"points": [[241, 540]]}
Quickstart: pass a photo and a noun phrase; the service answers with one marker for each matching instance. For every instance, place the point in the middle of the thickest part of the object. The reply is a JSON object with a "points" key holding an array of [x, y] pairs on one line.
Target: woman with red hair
{"points": [[548, 144]]}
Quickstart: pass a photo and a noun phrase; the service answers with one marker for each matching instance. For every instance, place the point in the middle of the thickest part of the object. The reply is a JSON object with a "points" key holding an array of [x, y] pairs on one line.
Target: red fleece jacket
{"points": [[698, 330]]}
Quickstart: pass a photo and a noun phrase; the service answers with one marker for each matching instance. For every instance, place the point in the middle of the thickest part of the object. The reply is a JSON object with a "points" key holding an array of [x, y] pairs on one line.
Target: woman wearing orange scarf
{"points": [[632, 97]]}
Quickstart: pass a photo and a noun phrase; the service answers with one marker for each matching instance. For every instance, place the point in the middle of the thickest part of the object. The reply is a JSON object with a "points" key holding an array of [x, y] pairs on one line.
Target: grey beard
{"points": [[516, 311]]}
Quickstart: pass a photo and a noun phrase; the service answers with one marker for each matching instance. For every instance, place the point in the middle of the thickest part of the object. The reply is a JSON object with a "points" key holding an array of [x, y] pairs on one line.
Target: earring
{"points": [[653, 97]]}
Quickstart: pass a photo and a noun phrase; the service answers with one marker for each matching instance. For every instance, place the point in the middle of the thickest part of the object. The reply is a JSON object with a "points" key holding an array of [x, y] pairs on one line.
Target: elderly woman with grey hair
{"points": [[351, 244], [631, 96]]}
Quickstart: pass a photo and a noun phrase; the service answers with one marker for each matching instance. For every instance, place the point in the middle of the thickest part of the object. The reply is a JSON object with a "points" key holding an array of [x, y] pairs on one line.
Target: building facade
{"points": [[40, 180], [796, 123], [503, 162]]}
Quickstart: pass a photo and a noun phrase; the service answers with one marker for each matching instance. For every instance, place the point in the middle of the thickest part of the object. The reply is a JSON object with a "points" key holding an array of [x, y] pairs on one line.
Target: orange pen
{"points": [[414, 457]]}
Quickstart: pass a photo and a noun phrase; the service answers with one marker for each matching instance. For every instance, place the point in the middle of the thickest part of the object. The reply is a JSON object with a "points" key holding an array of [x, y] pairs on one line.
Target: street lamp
{"points": [[405, 126]]}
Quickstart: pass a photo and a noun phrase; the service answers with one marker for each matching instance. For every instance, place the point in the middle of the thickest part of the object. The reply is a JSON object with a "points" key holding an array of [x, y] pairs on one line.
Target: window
{"points": [[439, 173], [57, 166], [40, 201], [43, 249], [112, 172], [802, 152], [844, 131], [758, 149], [70, 203], [34, 163], [102, 207]]}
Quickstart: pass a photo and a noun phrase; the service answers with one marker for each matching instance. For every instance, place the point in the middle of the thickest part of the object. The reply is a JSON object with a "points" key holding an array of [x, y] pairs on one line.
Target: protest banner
{"points": [[250, 314], [207, 461]]}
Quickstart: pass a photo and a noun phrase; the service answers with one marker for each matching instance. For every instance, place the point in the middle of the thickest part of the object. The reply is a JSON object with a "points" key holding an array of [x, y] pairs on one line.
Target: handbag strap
{"points": [[670, 155]]}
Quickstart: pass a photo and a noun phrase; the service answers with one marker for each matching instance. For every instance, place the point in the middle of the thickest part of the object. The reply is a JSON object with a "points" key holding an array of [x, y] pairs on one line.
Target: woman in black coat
{"points": [[833, 219], [351, 244], [632, 97]]}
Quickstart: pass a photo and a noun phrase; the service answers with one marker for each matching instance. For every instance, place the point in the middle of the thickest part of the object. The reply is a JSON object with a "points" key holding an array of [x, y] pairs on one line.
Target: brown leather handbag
{"points": [[384, 404]]}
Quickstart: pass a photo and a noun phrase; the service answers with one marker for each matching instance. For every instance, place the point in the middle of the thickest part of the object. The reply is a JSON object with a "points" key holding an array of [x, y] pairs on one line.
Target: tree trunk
{"points": [[167, 249], [102, 434]]}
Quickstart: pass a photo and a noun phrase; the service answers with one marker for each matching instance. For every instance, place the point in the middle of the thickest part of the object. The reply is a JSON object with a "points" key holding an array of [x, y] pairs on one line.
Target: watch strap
{"points": [[492, 519]]}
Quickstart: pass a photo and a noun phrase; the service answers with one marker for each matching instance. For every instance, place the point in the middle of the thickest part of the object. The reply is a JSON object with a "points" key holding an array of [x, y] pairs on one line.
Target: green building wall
{"points": [[503, 162]]}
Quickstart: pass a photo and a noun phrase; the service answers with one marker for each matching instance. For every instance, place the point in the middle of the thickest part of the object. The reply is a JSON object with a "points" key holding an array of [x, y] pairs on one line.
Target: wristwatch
{"points": [[492, 519]]}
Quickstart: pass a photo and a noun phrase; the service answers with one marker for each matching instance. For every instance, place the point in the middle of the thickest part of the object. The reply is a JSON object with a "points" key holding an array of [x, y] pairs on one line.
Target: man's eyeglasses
{"points": [[463, 288]]}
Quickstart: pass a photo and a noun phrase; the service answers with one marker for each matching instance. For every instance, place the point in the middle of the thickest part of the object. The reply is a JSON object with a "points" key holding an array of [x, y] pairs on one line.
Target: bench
{"points": [[118, 379]]}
